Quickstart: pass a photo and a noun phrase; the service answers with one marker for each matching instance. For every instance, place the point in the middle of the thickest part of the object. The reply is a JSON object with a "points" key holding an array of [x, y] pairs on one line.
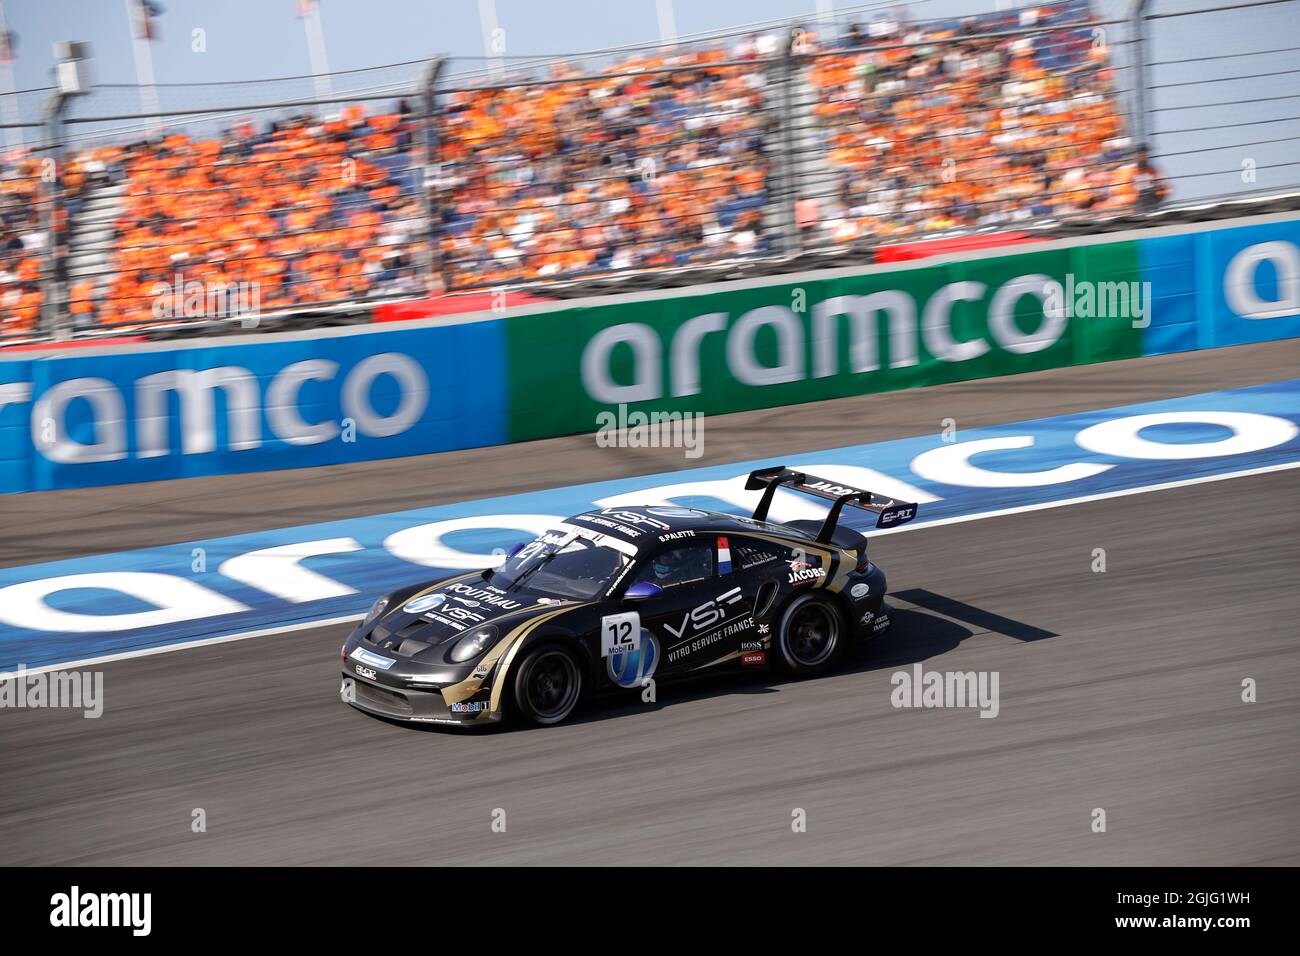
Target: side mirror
{"points": [[642, 590]]}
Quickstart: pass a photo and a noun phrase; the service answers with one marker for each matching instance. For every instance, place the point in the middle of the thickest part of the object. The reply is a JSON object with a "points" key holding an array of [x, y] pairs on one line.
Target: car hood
{"points": [[420, 625]]}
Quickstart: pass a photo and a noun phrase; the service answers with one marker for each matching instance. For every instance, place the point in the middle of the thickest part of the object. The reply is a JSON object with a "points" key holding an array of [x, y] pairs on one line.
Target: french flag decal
{"points": [[724, 556]]}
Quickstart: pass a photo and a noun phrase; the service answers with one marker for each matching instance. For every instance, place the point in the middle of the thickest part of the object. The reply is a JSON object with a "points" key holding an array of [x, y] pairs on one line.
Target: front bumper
{"points": [[415, 704]]}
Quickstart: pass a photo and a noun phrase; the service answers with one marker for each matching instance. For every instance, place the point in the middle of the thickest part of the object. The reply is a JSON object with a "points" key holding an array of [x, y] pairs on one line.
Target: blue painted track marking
{"points": [[78, 620]]}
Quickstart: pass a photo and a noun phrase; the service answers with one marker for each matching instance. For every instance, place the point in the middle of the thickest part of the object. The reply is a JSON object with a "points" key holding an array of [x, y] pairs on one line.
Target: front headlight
{"points": [[376, 609], [472, 645]]}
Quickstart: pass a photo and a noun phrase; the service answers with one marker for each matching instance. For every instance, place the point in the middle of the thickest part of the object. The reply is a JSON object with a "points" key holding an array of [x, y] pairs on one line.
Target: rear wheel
{"points": [[810, 636], [548, 684]]}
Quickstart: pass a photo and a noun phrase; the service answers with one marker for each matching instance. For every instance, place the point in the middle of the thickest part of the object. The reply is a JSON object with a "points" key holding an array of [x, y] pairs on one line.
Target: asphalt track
{"points": [[1119, 690]]}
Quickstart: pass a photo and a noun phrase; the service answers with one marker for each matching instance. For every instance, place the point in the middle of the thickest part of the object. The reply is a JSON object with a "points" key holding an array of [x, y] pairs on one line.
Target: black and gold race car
{"points": [[620, 599]]}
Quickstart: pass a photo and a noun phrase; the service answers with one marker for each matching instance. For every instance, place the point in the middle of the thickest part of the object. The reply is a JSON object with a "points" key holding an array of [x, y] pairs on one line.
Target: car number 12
{"points": [[620, 633]]}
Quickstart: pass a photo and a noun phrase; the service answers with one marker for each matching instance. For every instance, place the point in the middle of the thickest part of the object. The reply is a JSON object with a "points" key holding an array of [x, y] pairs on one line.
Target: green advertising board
{"points": [[784, 343]]}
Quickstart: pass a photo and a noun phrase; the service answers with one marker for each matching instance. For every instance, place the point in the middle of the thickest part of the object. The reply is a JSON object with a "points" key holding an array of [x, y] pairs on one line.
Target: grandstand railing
{"points": [[657, 163]]}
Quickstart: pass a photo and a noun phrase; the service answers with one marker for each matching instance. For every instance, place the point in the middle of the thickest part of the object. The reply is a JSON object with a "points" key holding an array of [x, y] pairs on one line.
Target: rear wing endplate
{"points": [[888, 511]]}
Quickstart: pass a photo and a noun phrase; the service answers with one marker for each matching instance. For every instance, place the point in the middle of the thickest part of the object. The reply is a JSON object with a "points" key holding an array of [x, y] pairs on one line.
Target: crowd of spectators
{"points": [[22, 241], [939, 126], [307, 211], [25, 227], [661, 160], [303, 212], [658, 162]]}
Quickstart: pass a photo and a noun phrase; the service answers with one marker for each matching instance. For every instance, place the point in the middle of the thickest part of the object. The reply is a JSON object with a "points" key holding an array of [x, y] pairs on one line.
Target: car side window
{"points": [[680, 565]]}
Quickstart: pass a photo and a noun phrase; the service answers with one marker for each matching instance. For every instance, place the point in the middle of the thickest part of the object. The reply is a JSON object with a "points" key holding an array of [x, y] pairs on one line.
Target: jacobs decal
{"points": [[805, 574]]}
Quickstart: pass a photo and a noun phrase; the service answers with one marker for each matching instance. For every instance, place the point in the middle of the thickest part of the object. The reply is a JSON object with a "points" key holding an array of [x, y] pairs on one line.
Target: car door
{"points": [[759, 568], [697, 617]]}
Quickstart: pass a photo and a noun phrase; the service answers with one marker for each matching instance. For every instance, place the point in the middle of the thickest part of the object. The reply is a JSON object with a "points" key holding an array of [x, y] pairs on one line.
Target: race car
{"points": [[619, 599]]}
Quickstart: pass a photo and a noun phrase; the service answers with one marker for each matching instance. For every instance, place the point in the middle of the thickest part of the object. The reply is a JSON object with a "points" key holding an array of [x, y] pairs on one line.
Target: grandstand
{"points": [[660, 163], [23, 241], [967, 129], [309, 211], [727, 149]]}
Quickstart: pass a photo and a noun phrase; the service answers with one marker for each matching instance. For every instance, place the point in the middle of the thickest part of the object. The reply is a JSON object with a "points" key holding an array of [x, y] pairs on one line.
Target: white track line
{"points": [[186, 645], [1084, 499], [956, 519]]}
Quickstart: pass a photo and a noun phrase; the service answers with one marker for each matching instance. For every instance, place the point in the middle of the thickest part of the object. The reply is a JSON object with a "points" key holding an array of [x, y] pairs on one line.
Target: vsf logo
{"points": [[196, 395], [707, 614], [893, 309]]}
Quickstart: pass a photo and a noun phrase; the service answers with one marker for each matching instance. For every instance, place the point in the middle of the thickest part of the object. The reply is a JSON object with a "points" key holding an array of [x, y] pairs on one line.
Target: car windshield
{"points": [[569, 562]]}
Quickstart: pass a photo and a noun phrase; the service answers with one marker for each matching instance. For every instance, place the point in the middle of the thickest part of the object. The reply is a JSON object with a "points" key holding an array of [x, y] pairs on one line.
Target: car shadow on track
{"points": [[933, 625]]}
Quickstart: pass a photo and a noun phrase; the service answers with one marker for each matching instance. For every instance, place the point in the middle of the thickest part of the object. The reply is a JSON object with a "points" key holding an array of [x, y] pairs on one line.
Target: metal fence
{"points": [[302, 196]]}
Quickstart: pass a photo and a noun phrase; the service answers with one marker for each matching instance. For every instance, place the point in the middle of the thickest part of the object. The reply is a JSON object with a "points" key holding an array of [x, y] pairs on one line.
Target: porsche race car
{"points": [[615, 599]]}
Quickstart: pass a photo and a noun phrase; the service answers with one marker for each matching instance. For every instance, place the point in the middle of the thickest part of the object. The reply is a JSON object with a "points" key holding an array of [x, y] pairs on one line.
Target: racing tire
{"points": [[547, 684], [810, 636]]}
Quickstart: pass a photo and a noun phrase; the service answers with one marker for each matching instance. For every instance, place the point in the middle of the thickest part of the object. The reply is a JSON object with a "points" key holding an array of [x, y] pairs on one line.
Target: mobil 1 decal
{"points": [[631, 652]]}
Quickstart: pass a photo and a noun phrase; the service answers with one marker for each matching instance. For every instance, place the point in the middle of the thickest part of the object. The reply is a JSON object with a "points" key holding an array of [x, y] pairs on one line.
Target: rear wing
{"points": [[889, 512]]}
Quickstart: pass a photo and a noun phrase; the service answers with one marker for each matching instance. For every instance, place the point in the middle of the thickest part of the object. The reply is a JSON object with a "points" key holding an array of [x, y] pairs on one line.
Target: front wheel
{"points": [[548, 684], [810, 636]]}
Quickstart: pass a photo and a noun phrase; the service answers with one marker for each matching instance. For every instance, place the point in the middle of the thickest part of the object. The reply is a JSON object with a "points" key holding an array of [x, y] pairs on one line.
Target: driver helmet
{"points": [[666, 565]]}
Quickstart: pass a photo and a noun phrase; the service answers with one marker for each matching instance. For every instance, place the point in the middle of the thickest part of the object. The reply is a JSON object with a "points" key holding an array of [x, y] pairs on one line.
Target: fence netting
{"points": [[873, 126]]}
